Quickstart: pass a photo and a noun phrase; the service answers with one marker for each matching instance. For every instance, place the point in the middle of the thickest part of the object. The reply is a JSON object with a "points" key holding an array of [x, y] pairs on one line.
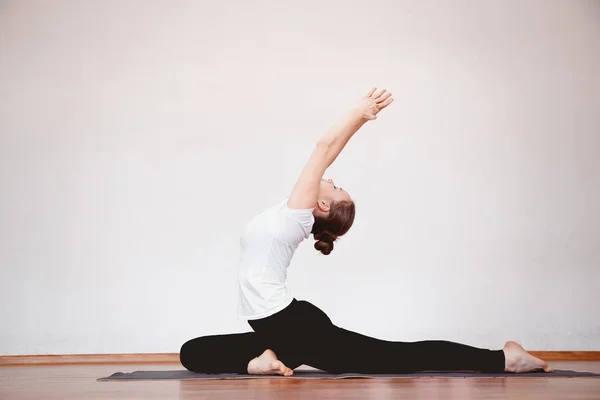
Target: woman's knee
{"points": [[193, 352], [184, 355]]}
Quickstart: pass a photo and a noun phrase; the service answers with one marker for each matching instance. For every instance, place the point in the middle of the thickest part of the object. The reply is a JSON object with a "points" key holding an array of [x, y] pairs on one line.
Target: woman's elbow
{"points": [[324, 144], [324, 150]]}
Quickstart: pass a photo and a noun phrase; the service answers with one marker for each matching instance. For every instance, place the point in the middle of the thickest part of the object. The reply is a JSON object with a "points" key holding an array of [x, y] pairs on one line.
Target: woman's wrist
{"points": [[357, 114]]}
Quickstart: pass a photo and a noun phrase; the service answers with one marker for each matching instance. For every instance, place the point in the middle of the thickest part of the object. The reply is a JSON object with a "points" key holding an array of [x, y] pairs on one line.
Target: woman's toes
{"points": [[285, 371]]}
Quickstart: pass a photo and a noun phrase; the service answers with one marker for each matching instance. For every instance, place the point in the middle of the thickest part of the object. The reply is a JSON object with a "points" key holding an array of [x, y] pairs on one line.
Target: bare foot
{"points": [[268, 364], [518, 360]]}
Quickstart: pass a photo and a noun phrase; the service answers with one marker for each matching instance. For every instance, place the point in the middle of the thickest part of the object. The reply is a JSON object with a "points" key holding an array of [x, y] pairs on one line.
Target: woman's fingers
{"points": [[377, 94], [383, 98], [385, 103], [371, 92]]}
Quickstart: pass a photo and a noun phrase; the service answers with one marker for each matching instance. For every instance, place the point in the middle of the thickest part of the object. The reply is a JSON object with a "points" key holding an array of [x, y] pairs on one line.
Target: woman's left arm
{"points": [[305, 192]]}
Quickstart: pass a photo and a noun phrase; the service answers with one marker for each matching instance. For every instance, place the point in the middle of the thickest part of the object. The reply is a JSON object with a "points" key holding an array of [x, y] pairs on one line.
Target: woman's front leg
{"points": [[220, 354]]}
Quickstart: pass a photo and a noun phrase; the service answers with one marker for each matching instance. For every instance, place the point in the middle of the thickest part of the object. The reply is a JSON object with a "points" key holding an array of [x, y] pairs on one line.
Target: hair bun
{"points": [[324, 242], [326, 229], [325, 237], [324, 247]]}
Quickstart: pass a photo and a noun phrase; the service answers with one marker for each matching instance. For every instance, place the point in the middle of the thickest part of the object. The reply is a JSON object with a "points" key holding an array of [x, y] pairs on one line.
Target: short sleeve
{"points": [[294, 225]]}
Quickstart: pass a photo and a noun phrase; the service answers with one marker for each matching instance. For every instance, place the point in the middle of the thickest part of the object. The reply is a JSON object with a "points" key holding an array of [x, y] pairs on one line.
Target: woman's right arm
{"points": [[305, 192]]}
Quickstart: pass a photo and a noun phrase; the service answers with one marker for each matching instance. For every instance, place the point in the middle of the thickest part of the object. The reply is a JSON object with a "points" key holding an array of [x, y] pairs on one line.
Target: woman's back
{"points": [[268, 243]]}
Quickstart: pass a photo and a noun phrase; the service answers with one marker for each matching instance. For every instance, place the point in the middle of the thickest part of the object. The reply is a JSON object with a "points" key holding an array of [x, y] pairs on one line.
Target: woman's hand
{"points": [[373, 102]]}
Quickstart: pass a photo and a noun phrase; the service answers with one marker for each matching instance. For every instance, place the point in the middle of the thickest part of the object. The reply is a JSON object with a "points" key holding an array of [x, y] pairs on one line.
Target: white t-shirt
{"points": [[268, 243]]}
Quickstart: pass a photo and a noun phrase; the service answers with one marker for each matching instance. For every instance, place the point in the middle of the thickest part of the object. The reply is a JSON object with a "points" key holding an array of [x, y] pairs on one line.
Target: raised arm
{"points": [[305, 192]]}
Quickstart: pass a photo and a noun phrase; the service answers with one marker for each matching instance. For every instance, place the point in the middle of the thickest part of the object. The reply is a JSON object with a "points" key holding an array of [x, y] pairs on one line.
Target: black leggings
{"points": [[303, 334]]}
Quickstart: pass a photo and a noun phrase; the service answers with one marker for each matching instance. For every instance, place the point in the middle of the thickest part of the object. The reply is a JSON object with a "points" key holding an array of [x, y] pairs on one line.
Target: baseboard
{"points": [[567, 355], [173, 358], [57, 359]]}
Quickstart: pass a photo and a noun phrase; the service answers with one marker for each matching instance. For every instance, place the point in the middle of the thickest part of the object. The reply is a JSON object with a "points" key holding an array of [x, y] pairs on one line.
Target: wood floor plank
{"points": [[66, 382]]}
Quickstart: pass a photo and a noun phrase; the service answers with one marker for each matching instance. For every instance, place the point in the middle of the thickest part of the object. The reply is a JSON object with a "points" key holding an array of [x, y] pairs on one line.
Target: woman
{"points": [[289, 333]]}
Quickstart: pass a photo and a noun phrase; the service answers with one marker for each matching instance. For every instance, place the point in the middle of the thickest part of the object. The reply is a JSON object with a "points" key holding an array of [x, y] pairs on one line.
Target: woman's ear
{"points": [[323, 205]]}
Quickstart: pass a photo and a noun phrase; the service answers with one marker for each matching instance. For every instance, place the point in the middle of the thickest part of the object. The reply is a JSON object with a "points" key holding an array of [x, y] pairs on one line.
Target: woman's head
{"points": [[334, 215]]}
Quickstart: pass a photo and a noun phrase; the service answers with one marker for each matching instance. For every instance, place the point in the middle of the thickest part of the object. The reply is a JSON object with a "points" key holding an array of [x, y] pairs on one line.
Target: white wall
{"points": [[137, 137]]}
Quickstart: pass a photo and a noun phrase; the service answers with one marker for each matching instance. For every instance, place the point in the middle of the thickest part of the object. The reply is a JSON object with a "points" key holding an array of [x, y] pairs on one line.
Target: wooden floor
{"points": [[79, 382]]}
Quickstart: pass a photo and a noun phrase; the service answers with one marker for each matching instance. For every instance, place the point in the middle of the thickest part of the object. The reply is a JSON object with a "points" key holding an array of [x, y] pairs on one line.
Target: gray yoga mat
{"points": [[184, 374]]}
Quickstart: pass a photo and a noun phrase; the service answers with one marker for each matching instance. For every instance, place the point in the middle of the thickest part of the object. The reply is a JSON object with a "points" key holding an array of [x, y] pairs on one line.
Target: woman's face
{"points": [[329, 192]]}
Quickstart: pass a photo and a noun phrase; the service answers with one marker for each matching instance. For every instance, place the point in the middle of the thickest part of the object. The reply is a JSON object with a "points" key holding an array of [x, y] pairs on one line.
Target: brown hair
{"points": [[338, 222]]}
